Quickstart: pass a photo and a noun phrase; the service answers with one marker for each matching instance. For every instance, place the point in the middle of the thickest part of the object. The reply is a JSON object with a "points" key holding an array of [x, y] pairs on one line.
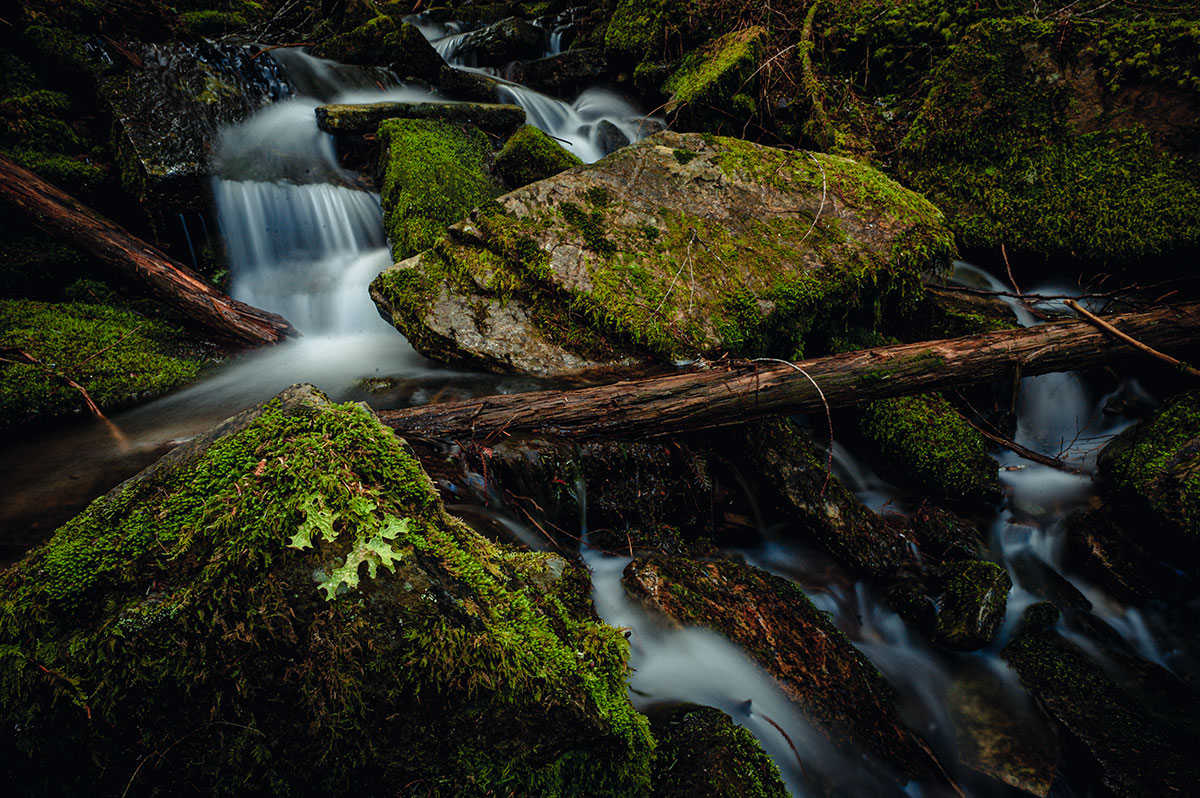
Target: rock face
{"points": [[681, 245], [774, 622], [288, 590], [1086, 145]]}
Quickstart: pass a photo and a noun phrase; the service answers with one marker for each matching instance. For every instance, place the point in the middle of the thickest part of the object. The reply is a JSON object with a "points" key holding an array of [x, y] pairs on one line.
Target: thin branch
{"points": [[1028, 454], [30, 360], [1113, 331], [828, 415]]}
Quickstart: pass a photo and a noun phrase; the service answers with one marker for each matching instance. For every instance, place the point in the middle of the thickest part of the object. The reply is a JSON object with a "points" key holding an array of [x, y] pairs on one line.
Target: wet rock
{"points": [[1130, 715], [1086, 148], [785, 457], [926, 444], [630, 260], [999, 732], [433, 174], [510, 39], [168, 113], [973, 598], [563, 74], [714, 87], [364, 44], [1112, 551], [610, 137], [530, 155], [468, 86], [701, 753], [410, 55], [772, 620], [365, 118], [283, 605]]}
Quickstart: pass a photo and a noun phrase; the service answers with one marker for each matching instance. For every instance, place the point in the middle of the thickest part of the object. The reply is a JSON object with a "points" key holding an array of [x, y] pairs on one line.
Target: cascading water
{"points": [[597, 123]]}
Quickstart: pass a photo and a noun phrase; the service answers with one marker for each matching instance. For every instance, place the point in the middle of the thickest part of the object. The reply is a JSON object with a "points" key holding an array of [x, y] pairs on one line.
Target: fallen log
{"points": [[727, 393], [60, 215]]}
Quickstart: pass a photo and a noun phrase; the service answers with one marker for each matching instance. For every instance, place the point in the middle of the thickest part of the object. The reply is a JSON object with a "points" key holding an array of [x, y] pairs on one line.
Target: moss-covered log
{"points": [[60, 215], [738, 391]]}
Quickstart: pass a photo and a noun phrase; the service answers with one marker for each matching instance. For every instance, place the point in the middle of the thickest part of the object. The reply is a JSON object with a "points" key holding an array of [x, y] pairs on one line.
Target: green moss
{"points": [[190, 599], [717, 77], [1052, 162], [365, 44], [530, 155], [926, 440], [701, 752], [211, 23], [434, 174], [636, 27], [117, 356], [1158, 462]]}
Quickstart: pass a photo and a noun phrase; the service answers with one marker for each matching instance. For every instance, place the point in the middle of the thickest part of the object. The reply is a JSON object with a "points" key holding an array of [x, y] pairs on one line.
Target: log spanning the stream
{"points": [[60, 215], [729, 393]]}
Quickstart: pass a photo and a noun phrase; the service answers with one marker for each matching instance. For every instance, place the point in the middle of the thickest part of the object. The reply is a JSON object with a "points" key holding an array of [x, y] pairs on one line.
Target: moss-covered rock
{"points": [[117, 356], [358, 118], [925, 441], [701, 753], [678, 246], [714, 87], [530, 155], [1157, 464], [771, 619], [973, 597], [363, 44], [410, 55], [434, 173], [1077, 141], [283, 606], [1130, 715]]}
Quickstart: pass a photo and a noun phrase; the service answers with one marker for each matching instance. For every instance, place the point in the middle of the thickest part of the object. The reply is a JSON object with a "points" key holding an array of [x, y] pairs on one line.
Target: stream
{"points": [[304, 243]]}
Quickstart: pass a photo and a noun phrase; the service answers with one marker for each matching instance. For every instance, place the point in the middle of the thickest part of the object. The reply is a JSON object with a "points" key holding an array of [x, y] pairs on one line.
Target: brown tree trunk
{"points": [[59, 215], [733, 392]]}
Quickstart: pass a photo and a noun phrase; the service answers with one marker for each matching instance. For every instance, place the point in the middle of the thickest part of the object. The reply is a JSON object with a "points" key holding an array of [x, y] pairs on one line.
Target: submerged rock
{"points": [[1130, 715], [771, 619], [678, 246], [283, 606], [701, 754]]}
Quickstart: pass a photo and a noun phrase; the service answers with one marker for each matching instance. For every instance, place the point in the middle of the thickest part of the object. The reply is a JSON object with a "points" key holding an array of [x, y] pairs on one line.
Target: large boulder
{"points": [[771, 619], [679, 246], [283, 606]]}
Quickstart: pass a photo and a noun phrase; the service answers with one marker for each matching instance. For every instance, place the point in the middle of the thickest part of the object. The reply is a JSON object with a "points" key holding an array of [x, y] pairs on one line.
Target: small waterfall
{"points": [[597, 123]]}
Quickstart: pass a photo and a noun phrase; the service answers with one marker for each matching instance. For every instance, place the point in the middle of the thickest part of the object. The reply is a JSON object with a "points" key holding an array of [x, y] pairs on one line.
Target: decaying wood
{"points": [[1129, 339], [59, 215], [734, 392]]}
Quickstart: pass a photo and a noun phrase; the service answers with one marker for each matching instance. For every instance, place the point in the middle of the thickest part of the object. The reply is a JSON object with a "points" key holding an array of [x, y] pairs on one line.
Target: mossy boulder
{"points": [[364, 44], [1076, 141], [701, 753], [927, 444], [283, 606], [117, 356], [771, 619], [359, 118], [714, 86], [1129, 714], [679, 246], [530, 155], [410, 55], [1156, 464], [434, 173], [973, 597]]}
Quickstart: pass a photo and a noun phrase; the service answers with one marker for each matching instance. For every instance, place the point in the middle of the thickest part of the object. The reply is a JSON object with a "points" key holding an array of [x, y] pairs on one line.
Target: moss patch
{"points": [[184, 611], [530, 155], [716, 82], [117, 356], [973, 598], [434, 174], [701, 752], [926, 440]]}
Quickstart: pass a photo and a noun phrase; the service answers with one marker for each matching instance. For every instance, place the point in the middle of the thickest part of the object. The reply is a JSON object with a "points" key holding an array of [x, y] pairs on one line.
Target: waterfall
{"points": [[598, 122]]}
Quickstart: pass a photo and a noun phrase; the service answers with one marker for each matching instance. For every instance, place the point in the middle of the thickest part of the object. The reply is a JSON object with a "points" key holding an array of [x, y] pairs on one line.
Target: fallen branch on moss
{"points": [[21, 356], [61, 216], [733, 392]]}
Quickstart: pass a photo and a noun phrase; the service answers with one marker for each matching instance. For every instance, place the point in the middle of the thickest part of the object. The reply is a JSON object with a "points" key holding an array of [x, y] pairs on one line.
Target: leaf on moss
{"points": [[317, 520]]}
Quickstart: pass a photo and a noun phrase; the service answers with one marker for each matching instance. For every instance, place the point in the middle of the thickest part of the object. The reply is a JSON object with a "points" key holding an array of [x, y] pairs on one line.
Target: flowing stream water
{"points": [[304, 242]]}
